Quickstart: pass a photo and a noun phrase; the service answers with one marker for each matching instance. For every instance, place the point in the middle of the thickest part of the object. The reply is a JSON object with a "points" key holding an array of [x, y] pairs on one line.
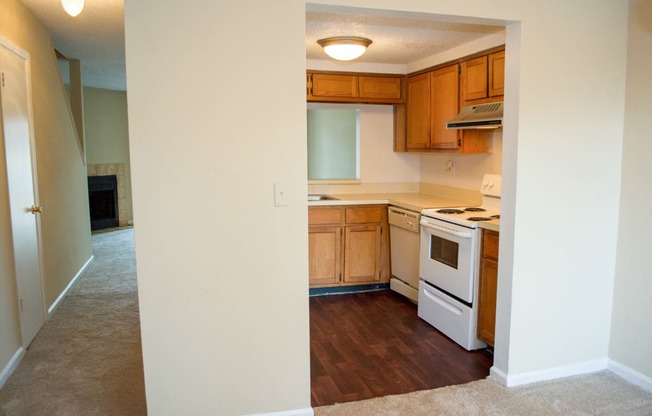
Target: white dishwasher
{"points": [[404, 247]]}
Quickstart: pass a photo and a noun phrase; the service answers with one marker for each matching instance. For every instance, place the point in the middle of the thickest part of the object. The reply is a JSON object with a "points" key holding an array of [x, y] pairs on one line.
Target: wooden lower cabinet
{"points": [[325, 254], [488, 286], [362, 253], [348, 245]]}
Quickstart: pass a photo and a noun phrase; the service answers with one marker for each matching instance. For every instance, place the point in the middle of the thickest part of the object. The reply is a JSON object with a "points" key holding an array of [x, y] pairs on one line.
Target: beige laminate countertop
{"points": [[493, 225], [411, 201]]}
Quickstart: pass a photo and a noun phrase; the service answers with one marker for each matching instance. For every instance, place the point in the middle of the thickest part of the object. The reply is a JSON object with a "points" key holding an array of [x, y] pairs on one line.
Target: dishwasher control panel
{"points": [[403, 218]]}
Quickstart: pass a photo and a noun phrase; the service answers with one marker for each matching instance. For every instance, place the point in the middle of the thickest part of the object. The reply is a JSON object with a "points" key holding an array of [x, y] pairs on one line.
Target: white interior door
{"points": [[23, 197]]}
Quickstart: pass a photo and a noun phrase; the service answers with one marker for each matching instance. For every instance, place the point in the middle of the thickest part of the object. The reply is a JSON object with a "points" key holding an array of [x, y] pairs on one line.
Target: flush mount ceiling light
{"points": [[344, 48], [73, 7]]}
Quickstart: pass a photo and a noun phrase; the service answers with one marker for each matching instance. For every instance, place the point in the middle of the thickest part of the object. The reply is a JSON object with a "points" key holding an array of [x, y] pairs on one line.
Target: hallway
{"points": [[87, 359]]}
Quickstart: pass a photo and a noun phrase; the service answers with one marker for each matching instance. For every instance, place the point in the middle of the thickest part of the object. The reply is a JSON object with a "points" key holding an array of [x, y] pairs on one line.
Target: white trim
{"points": [[298, 412], [81, 271], [13, 48], [585, 367], [11, 366], [498, 375], [631, 375]]}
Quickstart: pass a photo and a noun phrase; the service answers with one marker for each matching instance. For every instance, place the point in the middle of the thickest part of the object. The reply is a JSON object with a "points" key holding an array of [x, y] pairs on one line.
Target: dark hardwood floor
{"points": [[373, 344]]}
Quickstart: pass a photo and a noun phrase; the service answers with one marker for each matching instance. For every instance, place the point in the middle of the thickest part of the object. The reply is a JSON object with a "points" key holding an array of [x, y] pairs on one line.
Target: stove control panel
{"points": [[491, 185]]}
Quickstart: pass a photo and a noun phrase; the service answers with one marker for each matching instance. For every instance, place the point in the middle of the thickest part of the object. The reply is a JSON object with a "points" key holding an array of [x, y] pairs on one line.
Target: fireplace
{"points": [[103, 201]]}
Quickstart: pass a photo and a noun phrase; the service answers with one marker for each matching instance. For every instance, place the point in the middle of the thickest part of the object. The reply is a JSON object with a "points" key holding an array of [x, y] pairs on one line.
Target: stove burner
{"points": [[495, 217], [450, 211], [474, 209], [478, 219]]}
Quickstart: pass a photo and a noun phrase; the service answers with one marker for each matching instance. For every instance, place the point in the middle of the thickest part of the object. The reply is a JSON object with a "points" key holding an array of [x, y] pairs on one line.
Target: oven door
{"points": [[448, 257]]}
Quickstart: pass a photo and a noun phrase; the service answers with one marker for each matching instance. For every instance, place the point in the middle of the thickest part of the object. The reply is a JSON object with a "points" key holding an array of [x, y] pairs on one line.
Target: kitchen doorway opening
{"points": [[335, 336]]}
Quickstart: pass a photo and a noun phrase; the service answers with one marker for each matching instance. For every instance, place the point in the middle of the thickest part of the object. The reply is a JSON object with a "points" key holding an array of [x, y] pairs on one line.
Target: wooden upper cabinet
{"points": [[355, 88], [418, 112], [444, 106], [497, 74], [483, 79], [379, 87], [433, 99], [473, 85], [327, 85]]}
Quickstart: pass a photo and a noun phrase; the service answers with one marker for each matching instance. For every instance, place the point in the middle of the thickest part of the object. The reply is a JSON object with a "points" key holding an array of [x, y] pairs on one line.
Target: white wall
{"points": [[468, 169], [631, 344], [224, 298], [563, 264], [222, 272], [378, 162]]}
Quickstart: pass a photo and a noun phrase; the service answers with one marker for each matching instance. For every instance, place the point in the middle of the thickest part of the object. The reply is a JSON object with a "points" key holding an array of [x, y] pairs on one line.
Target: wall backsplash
{"points": [[469, 169]]}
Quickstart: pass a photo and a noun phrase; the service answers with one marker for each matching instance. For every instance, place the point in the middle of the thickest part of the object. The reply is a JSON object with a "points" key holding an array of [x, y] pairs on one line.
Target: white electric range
{"points": [[449, 264]]}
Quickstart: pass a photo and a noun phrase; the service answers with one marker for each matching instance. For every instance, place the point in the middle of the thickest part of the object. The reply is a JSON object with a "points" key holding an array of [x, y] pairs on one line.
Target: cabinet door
{"points": [[488, 286], [325, 255], [418, 112], [379, 87], [473, 85], [362, 253], [329, 85], [497, 74], [444, 96], [487, 300]]}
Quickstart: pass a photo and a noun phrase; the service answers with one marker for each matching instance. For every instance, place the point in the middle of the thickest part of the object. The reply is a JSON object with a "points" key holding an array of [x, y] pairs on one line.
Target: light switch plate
{"points": [[280, 195]]}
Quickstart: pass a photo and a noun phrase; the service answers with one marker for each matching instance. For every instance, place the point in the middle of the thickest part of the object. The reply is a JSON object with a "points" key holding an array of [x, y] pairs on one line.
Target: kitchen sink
{"points": [[321, 198]]}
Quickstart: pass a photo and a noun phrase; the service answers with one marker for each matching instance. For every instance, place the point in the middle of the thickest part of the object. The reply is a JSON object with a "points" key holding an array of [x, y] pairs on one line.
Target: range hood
{"points": [[478, 116]]}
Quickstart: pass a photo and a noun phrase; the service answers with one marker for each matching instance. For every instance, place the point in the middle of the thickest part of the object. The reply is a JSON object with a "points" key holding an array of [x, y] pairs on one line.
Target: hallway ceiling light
{"points": [[73, 7], [344, 48]]}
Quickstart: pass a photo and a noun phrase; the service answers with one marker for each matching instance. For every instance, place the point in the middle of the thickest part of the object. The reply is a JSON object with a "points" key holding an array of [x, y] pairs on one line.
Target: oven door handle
{"points": [[446, 230]]}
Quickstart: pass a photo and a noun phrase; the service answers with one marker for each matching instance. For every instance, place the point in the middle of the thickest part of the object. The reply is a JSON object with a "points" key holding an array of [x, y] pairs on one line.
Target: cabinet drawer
{"points": [[364, 215], [490, 244], [318, 216]]}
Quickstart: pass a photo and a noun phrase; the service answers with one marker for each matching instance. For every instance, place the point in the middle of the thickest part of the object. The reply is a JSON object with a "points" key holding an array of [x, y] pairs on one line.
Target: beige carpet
{"points": [[596, 394], [87, 359]]}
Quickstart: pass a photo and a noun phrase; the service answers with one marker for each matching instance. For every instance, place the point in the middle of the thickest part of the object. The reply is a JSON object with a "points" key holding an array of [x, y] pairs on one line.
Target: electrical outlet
{"points": [[450, 167]]}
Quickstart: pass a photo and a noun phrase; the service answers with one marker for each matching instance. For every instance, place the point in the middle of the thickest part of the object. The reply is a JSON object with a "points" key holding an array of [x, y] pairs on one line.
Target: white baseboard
{"points": [[297, 412], [585, 367], [11, 366], [81, 271], [498, 375], [631, 375]]}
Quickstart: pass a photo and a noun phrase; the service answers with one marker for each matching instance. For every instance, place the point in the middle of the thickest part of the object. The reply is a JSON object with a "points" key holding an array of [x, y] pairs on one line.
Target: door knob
{"points": [[34, 209]]}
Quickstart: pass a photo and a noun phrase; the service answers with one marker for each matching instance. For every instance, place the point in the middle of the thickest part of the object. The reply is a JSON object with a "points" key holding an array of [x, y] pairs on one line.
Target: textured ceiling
{"points": [[96, 36], [398, 38]]}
